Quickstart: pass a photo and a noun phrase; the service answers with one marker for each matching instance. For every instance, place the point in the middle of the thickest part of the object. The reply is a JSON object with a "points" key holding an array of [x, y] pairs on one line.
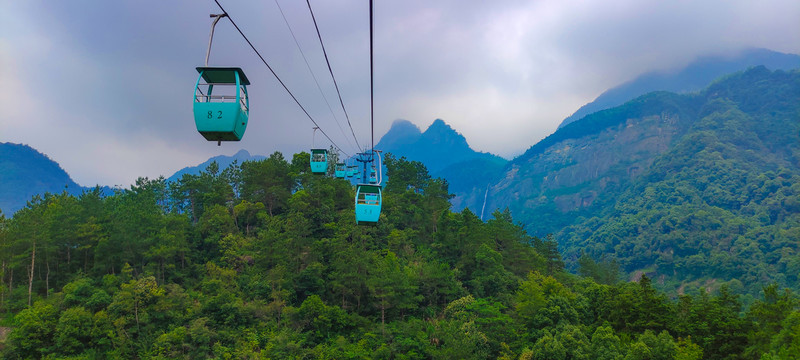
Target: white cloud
{"points": [[106, 92]]}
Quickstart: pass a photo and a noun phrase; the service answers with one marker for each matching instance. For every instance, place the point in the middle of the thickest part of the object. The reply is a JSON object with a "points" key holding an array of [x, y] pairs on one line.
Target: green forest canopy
{"points": [[264, 260]]}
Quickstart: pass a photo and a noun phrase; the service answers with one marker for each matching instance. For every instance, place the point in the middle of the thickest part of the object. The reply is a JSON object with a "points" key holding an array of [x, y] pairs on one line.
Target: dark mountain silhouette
{"points": [[25, 172], [222, 160], [446, 154]]}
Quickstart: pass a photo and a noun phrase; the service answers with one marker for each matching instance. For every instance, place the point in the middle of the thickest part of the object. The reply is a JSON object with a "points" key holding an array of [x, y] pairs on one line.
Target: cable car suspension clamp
{"points": [[211, 37]]}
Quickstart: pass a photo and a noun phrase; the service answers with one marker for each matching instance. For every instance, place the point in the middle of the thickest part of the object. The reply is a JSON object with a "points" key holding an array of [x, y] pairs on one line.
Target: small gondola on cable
{"points": [[340, 171], [221, 111], [319, 161], [369, 194], [352, 171], [319, 157]]}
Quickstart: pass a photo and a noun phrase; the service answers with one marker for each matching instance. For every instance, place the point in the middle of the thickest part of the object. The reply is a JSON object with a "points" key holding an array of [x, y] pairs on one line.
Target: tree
{"points": [[319, 321], [541, 301], [604, 272], [605, 344], [549, 348], [33, 333], [767, 316], [548, 248], [713, 323], [132, 310], [405, 175], [652, 347], [73, 331], [389, 284], [268, 182]]}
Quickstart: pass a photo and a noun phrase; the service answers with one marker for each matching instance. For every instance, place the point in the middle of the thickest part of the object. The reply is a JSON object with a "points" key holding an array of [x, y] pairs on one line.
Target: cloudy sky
{"points": [[105, 87]]}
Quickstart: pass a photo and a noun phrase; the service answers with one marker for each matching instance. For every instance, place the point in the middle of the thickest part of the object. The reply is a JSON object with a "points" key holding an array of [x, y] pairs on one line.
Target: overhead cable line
{"points": [[277, 77], [371, 82], [312, 74], [331, 71]]}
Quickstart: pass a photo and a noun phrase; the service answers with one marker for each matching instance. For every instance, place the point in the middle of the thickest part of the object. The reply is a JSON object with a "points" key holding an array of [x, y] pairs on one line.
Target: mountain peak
{"points": [[402, 133], [439, 123], [438, 147], [24, 172], [440, 127], [441, 133], [242, 154], [403, 124]]}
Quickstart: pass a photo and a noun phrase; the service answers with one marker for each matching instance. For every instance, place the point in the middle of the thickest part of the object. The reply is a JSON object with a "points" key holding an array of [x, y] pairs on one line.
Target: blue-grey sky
{"points": [[105, 87]]}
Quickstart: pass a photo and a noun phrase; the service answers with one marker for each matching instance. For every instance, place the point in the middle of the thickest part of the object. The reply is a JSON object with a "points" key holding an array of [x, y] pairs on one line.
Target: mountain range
{"points": [[222, 160], [693, 77], [695, 189], [446, 154], [25, 172], [443, 150]]}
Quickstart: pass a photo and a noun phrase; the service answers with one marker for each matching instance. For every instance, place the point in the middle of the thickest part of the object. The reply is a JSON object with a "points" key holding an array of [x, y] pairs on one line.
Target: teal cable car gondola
{"points": [[340, 171], [373, 175], [368, 203], [221, 115], [369, 197], [222, 111], [319, 161], [352, 170]]}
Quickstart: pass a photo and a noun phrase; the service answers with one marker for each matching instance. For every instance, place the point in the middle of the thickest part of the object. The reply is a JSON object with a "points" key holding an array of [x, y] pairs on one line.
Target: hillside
{"points": [[279, 269], [25, 172], [694, 77], [446, 154], [691, 189]]}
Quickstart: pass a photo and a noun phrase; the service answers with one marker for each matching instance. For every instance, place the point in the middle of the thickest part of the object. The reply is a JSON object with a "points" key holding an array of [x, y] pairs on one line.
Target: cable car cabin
{"points": [[221, 104], [373, 175], [368, 203], [352, 170], [340, 171], [319, 161]]}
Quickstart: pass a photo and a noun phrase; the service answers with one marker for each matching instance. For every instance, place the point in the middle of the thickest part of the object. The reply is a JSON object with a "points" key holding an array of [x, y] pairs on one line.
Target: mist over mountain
{"points": [[694, 77]]}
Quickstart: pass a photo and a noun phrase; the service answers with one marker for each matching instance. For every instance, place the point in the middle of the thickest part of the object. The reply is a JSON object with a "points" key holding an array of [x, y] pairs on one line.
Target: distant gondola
{"points": [[319, 161], [340, 171]]}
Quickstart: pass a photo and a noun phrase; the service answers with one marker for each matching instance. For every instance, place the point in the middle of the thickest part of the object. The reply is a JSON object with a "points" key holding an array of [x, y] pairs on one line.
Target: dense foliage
{"points": [[264, 260], [695, 190], [722, 205]]}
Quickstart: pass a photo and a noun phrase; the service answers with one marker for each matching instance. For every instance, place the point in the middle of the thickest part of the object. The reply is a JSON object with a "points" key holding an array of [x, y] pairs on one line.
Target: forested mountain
{"points": [[446, 154], [25, 172], [264, 260], [694, 77], [696, 190]]}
